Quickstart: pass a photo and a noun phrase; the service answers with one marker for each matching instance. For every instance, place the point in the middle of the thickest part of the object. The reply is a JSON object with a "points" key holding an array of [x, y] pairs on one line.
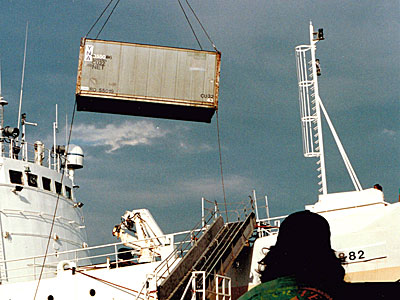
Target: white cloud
{"points": [[191, 148], [117, 136], [389, 132]]}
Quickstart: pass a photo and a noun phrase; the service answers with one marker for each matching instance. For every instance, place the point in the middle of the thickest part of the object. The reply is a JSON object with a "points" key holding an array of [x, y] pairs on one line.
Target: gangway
{"points": [[214, 253]]}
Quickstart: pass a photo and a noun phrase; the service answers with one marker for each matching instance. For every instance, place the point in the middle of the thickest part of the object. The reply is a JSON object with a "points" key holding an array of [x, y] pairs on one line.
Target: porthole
{"points": [[92, 292], [50, 297]]}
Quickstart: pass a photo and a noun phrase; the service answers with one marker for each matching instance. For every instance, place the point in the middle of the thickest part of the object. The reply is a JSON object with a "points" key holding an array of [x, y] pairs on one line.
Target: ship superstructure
{"points": [[36, 199]]}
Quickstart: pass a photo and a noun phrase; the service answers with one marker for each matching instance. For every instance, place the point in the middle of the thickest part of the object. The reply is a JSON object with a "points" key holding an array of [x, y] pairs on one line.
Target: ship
{"points": [[215, 259]]}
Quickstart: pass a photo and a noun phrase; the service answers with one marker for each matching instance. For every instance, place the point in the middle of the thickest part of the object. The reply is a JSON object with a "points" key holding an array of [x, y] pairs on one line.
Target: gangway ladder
{"points": [[197, 283], [308, 70], [214, 254]]}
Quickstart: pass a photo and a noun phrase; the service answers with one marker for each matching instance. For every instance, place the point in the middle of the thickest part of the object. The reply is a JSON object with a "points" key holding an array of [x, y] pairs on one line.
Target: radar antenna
{"points": [[308, 70]]}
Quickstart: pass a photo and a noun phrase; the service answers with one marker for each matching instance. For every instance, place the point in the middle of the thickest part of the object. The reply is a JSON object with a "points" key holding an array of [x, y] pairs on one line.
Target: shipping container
{"points": [[147, 80]]}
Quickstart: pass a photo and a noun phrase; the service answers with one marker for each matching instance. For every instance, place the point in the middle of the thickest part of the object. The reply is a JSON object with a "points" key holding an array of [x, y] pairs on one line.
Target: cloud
{"points": [[389, 132], [192, 148], [117, 136]]}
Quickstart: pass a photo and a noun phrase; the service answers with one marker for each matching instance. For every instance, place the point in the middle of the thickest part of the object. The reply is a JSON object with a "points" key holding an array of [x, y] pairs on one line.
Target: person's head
{"points": [[378, 187], [303, 249]]}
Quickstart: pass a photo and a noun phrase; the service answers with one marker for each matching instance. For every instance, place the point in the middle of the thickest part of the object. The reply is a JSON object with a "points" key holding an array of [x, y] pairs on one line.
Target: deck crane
{"points": [[138, 230]]}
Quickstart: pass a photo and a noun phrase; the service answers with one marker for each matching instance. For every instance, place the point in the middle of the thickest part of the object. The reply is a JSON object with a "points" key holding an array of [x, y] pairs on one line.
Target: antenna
{"points": [[3, 102], [23, 76], [55, 130], [308, 70], [66, 129]]}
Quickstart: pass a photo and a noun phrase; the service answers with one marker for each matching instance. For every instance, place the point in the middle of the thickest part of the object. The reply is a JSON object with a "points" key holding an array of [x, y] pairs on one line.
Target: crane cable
{"points": [[201, 25], [190, 24], [221, 168], [56, 207], [108, 18], [106, 21], [218, 131]]}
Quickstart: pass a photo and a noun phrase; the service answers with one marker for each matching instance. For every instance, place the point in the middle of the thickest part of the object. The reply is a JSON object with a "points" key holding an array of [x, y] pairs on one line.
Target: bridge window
{"points": [[58, 188], [68, 192], [16, 177], [32, 180], [46, 183]]}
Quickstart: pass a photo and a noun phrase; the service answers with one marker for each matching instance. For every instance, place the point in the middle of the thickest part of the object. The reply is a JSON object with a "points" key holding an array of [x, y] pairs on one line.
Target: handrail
{"points": [[194, 235], [94, 257], [29, 152]]}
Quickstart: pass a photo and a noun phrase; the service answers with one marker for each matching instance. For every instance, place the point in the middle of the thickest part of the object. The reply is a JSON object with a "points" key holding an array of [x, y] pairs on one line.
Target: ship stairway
{"points": [[213, 254]]}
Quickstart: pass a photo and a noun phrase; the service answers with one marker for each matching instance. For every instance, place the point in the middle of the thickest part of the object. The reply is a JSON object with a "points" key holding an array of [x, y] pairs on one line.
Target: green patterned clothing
{"points": [[284, 288]]}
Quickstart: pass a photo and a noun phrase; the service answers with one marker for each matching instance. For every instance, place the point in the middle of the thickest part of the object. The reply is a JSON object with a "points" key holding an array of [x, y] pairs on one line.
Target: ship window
{"points": [[46, 183], [68, 192], [15, 177], [32, 180], [58, 188]]}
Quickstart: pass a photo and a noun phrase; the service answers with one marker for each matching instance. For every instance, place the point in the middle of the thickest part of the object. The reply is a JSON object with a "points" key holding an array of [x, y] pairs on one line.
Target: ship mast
{"points": [[3, 102], [308, 70]]}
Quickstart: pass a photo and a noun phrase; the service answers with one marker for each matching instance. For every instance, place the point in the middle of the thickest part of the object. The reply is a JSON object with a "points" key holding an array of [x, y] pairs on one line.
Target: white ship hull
{"points": [[362, 226]]}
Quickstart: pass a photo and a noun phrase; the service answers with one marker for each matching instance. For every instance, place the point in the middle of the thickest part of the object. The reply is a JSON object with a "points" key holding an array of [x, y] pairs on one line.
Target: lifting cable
{"points": [[108, 18], [201, 25], [220, 165], [218, 131], [57, 201], [190, 24]]}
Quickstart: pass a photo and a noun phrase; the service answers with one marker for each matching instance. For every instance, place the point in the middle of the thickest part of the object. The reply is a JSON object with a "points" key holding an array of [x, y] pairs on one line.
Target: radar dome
{"points": [[75, 157]]}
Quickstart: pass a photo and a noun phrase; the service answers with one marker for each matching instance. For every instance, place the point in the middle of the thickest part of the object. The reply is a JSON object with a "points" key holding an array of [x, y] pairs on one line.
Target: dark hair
{"points": [[303, 250]]}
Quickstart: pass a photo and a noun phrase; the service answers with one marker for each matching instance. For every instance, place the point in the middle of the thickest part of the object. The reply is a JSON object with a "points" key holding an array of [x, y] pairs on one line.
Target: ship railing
{"points": [[197, 286], [236, 211], [34, 153], [165, 268], [108, 256], [269, 226], [230, 211]]}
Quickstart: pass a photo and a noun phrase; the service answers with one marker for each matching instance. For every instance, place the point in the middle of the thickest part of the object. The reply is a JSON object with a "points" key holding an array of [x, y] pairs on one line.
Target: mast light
{"points": [[319, 36]]}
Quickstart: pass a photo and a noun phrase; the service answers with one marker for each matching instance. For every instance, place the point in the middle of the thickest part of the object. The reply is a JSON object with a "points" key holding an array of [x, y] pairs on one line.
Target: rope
{"points": [[202, 27], [190, 24], [114, 285], [108, 18], [55, 209], [220, 165], [98, 19]]}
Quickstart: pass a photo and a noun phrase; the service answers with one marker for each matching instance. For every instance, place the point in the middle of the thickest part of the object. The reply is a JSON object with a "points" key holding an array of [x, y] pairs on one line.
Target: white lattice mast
{"points": [[308, 70], [310, 112]]}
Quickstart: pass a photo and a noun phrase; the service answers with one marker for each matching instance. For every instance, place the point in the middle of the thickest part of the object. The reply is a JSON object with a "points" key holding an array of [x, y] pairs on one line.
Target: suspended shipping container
{"points": [[145, 80]]}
